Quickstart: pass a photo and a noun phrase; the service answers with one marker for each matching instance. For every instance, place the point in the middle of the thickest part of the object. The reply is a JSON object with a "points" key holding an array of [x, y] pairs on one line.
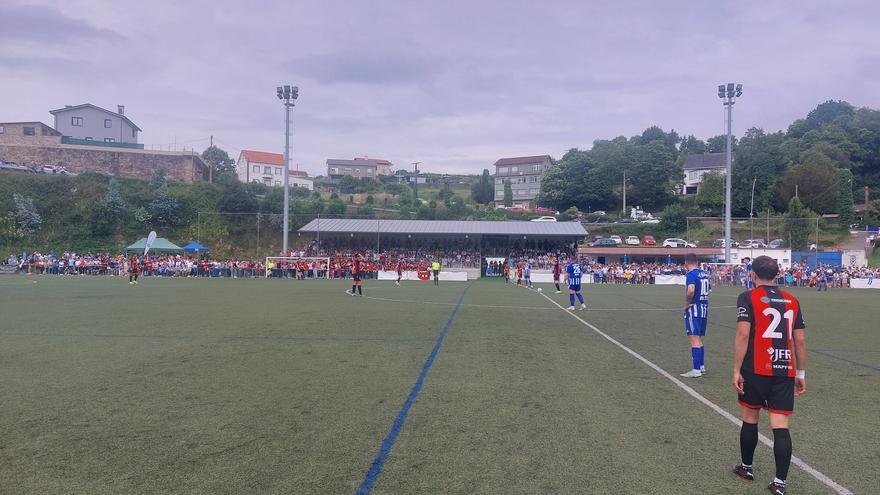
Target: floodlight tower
{"points": [[287, 94], [727, 93]]}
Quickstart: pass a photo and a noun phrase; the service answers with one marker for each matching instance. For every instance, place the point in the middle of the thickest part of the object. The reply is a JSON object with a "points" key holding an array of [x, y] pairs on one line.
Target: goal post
{"points": [[287, 266]]}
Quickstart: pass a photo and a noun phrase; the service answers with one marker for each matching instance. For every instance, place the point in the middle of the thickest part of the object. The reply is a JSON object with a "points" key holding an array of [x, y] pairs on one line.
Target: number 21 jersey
{"points": [[773, 315]]}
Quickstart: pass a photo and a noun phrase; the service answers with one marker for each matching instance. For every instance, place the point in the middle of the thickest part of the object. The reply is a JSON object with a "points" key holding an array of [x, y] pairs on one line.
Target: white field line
{"points": [[838, 488]]}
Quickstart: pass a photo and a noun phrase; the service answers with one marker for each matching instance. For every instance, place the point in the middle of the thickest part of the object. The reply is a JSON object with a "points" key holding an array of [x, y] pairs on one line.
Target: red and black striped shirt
{"points": [[774, 315]]}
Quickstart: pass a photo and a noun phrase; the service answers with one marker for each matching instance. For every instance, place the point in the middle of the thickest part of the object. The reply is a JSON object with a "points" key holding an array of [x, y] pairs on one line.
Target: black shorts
{"points": [[356, 277], [436, 272], [556, 278], [773, 393]]}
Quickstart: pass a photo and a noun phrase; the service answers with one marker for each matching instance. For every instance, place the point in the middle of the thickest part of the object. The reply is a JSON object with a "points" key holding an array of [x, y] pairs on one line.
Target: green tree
{"points": [[445, 191], [366, 211], [508, 194], [799, 226], [219, 160], [163, 208], [710, 198], [673, 218], [336, 207], [845, 208], [483, 191], [26, 215], [814, 181], [236, 197]]}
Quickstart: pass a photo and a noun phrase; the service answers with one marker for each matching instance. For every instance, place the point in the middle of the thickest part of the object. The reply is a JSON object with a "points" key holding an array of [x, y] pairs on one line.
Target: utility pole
{"points": [[623, 211], [416, 182], [752, 212], [728, 92], [288, 95]]}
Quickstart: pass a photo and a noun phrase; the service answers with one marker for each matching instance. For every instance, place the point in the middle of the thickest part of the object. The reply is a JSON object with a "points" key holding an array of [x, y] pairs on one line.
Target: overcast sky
{"points": [[453, 84]]}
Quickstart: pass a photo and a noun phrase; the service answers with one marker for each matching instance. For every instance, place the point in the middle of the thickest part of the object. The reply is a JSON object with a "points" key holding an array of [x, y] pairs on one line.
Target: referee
{"points": [[435, 267]]}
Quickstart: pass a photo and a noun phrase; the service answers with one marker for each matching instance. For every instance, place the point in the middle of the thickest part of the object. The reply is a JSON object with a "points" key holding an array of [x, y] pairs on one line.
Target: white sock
{"points": [[778, 481]]}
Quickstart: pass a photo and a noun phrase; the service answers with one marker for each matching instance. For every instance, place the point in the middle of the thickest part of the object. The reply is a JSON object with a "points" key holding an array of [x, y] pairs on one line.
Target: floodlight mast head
{"points": [[739, 90], [720, 91]]}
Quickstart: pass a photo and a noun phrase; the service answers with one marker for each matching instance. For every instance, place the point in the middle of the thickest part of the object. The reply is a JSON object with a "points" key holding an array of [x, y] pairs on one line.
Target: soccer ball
{"points": [[540, 289]]}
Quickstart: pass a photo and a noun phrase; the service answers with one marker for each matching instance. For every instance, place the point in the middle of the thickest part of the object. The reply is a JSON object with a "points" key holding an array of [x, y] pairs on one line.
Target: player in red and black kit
{"points": [[134, 269], [557, 271], [770, 357], [399, 272], [356, 275]]}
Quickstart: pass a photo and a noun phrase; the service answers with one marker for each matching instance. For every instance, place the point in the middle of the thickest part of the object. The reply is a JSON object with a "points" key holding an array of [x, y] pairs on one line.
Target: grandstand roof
{"points": [[429, 227]]}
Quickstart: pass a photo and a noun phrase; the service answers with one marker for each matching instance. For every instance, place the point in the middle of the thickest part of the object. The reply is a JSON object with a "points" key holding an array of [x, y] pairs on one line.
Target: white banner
{"points": [[426, 276], [547, 278], [669, 279], [864, 283]]}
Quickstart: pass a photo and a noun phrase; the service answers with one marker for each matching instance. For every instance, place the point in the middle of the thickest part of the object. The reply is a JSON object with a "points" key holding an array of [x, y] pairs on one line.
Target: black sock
{"points": [[353, 289], [748, 440], [782, 451], [360, 291], [129, 278], [135, 278], [557, 287]]}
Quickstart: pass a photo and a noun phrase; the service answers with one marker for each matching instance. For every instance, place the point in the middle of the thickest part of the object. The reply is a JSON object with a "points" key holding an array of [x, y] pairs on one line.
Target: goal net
{"points": [[297, 267]]}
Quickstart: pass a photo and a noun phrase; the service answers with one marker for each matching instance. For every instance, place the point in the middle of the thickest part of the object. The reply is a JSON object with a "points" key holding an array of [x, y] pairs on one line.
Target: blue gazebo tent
{"points": [[195, 247]]}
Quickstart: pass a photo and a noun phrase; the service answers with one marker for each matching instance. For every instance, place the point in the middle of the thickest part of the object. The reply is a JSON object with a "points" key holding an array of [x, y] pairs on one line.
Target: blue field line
{"points": [[850, 361], [375, 470]]}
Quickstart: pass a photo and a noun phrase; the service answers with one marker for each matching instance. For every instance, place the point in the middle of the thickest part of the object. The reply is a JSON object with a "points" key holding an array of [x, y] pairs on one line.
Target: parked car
{"points": [[604, 243], [616, 239], [597, 237], [651, 220], [632, 240], [675, 242], [545, 211], [648, 240], [692, 244], [776, 244], [601, 213], [719, 243], [753, 243], [544, 219]]}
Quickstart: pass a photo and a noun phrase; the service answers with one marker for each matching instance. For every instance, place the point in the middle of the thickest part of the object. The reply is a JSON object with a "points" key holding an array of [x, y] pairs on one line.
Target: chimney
{"points": [[121, 109]]}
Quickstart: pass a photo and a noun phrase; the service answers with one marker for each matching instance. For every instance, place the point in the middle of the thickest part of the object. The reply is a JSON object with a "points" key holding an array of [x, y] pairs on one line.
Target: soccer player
{"points": [[556, 272], [399, 272], [770, 357], [519, 274], [506, 271], [748, 282], [435, 267], [356, 275], [134, 269], [696, 313], [527, 273], [573, 276]]}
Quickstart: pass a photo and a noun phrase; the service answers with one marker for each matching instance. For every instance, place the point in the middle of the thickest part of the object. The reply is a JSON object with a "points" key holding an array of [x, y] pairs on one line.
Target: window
{"points": [[348, 170], [29, 131], [334, 170], [267, 170], [369, 171], [88, 138], [499, 181], [76, 121], [109, 140], [499, 194], [513, 170], [277, 170], [503, 170], [277, 182], [1, 129], [268, 182], [133, 133], [255, 169], [108, 123]]}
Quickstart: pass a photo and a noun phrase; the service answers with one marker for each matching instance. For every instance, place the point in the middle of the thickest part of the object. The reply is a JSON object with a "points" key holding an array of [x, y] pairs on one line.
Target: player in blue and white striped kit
{"points": [[696, 313], [573, 275]]}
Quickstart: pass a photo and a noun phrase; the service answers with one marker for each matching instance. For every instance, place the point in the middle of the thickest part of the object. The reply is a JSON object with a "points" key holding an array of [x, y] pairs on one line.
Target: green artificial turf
{"points": [[278, 386]]}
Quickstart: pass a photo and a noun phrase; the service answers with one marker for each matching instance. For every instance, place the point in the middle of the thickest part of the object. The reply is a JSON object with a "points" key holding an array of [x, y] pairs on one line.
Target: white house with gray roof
{"points": [[696, 166], [89, 122]]}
